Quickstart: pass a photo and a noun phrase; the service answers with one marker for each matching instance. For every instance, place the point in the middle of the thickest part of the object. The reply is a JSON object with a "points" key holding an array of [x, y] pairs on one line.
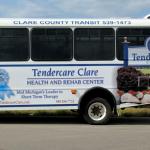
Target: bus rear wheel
{"points": [[97, 111]]}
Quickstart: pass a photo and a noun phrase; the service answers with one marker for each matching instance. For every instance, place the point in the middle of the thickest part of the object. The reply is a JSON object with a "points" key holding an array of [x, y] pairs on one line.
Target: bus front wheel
{"points": [[97, 111]]}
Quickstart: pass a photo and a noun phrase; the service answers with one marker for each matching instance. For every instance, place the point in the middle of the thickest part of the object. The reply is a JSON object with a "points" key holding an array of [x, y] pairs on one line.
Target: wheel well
{"points": [[98, 92]]}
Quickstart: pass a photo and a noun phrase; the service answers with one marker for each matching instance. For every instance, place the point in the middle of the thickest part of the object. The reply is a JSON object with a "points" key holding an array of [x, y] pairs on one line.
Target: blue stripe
{"points": [[65, 78], [140, 66], [136, 47], [42, 105], [61, 65]]}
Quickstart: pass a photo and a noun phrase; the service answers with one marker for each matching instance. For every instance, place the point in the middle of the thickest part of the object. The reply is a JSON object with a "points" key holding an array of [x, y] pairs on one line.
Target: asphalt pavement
{"points": [[71, 133]]}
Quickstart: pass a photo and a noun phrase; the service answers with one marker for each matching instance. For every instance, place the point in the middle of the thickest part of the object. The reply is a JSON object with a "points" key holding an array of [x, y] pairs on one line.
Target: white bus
{"points": [[76, 64]]}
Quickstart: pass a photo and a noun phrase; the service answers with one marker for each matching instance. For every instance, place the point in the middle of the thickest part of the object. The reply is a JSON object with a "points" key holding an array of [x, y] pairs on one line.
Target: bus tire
{"points": [[97, 111]]}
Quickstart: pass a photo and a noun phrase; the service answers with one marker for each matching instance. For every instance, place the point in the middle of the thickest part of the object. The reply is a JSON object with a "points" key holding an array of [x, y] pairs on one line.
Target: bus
{"points": [[95, 66]]}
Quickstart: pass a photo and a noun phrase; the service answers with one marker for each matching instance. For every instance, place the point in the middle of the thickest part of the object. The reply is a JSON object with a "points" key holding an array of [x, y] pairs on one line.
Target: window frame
{"points": [[129, 27], [72, 44], [114, 35], [28, 44]]}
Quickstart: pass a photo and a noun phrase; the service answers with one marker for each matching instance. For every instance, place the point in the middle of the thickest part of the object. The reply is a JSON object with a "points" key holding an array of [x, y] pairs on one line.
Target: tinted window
{"points": [[94, 44], [136, 37], [14, 44], [52, 44]]}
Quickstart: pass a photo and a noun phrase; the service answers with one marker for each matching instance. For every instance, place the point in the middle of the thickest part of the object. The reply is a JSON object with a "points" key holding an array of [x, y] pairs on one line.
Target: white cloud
{"points": [[75, 8]]}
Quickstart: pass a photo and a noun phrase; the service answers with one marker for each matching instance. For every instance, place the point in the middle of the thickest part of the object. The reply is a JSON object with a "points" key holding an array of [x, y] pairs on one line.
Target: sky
{"points": [[74, 8]]}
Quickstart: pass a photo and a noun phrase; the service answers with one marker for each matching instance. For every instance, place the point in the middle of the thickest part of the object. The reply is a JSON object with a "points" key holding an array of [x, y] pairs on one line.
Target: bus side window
{"points": [[14, 44], [52, 44], [136, 37], [92, 44]]}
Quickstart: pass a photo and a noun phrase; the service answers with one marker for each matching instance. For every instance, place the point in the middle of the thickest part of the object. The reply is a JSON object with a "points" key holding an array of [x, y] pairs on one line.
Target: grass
{"points": [[134, 112], [145, 70], [38, 113], [127, 112]]}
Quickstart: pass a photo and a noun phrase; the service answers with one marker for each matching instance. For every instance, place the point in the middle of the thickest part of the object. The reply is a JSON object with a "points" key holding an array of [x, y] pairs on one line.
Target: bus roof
{"points": [[37, 22]]}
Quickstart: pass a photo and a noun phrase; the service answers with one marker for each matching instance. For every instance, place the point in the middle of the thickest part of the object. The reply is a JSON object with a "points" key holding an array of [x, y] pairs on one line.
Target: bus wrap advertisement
{"points": [[41, 85], [133, 80]]}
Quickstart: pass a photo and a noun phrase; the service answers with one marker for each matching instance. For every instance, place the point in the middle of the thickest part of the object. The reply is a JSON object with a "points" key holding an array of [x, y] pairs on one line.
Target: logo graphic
{"points": [[147, 43], [5, 91]]}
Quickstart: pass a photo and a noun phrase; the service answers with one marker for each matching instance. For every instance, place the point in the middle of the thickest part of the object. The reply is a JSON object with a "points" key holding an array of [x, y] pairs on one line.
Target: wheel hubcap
{"points": [[97, 111]]}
